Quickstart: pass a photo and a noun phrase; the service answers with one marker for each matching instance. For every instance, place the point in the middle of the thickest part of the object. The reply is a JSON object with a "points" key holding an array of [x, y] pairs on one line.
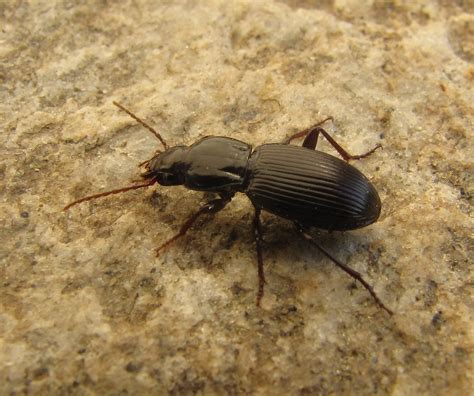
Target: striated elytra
{"points": [[311, 187]]}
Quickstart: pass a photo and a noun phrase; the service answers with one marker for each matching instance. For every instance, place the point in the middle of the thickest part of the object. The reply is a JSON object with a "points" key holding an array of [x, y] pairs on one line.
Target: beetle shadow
{"points": [[282, 239]]}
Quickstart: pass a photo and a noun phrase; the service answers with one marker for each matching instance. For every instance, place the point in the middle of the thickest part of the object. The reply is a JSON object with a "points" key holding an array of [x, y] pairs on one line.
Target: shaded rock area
{"points": [[87, 308]]}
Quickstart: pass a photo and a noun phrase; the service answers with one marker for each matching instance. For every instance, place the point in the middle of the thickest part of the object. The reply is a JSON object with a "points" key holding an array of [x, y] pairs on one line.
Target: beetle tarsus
{"points": [[258, 234], [353, 273], [377, 146]]}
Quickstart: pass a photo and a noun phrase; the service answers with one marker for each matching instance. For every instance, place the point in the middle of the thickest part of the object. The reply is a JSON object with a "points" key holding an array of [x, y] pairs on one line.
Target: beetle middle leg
{"points": [[211, 207], [258, 234], [353, 273], [311, 139]]}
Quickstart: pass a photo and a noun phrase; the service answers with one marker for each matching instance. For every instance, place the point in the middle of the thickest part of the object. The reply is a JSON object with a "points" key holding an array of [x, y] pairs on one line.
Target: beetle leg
{"points": [[311, 139], [353, 273], [305, 132], [211, 207], [258, 234]]}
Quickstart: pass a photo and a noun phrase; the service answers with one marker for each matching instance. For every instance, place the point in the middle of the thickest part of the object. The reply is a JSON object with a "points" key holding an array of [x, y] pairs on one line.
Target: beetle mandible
{"points": [[304, 185]]}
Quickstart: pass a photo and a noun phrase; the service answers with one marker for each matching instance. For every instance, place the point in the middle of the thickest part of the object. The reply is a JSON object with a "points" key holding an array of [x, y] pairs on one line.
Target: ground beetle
{"points": [[309, 187]]}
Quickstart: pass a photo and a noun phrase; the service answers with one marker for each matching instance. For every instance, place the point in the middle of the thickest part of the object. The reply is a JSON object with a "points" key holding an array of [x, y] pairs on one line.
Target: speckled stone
{"points": [[87, 308]]}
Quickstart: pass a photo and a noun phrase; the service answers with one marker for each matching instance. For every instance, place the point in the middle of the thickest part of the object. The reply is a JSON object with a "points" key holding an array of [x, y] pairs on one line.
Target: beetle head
{"points": [[167, 167]]}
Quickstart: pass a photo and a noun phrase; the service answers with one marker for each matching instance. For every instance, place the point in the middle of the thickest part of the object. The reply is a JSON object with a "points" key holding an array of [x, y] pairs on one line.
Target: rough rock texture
{"points": [[87, 308]]}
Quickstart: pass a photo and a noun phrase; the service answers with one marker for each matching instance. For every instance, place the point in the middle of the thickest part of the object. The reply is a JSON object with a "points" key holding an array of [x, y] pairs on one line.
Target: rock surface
{"points": [[87, 308]]}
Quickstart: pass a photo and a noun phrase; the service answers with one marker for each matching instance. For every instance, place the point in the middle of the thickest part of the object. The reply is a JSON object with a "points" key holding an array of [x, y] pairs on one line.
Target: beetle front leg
{"points": [[211, 207], [353, 273], [258, 234]]}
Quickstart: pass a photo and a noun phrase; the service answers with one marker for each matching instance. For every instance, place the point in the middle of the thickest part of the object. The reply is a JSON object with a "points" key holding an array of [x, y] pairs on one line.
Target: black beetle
{"points": [[309, 187]]}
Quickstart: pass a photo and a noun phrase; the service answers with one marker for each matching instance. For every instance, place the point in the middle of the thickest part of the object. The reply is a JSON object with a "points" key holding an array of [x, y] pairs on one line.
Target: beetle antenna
{"points": [[152, 130], [105, 194]]}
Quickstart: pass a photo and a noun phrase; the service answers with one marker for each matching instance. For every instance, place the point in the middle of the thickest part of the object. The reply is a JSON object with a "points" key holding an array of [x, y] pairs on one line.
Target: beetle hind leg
{"points": [[353, 273], [258, 234], [311, 136], [305, 132], [312, 139]]}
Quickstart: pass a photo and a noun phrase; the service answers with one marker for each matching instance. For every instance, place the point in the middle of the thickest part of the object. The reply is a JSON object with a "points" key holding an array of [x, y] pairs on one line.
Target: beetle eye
{"points": [[169, 179]]}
